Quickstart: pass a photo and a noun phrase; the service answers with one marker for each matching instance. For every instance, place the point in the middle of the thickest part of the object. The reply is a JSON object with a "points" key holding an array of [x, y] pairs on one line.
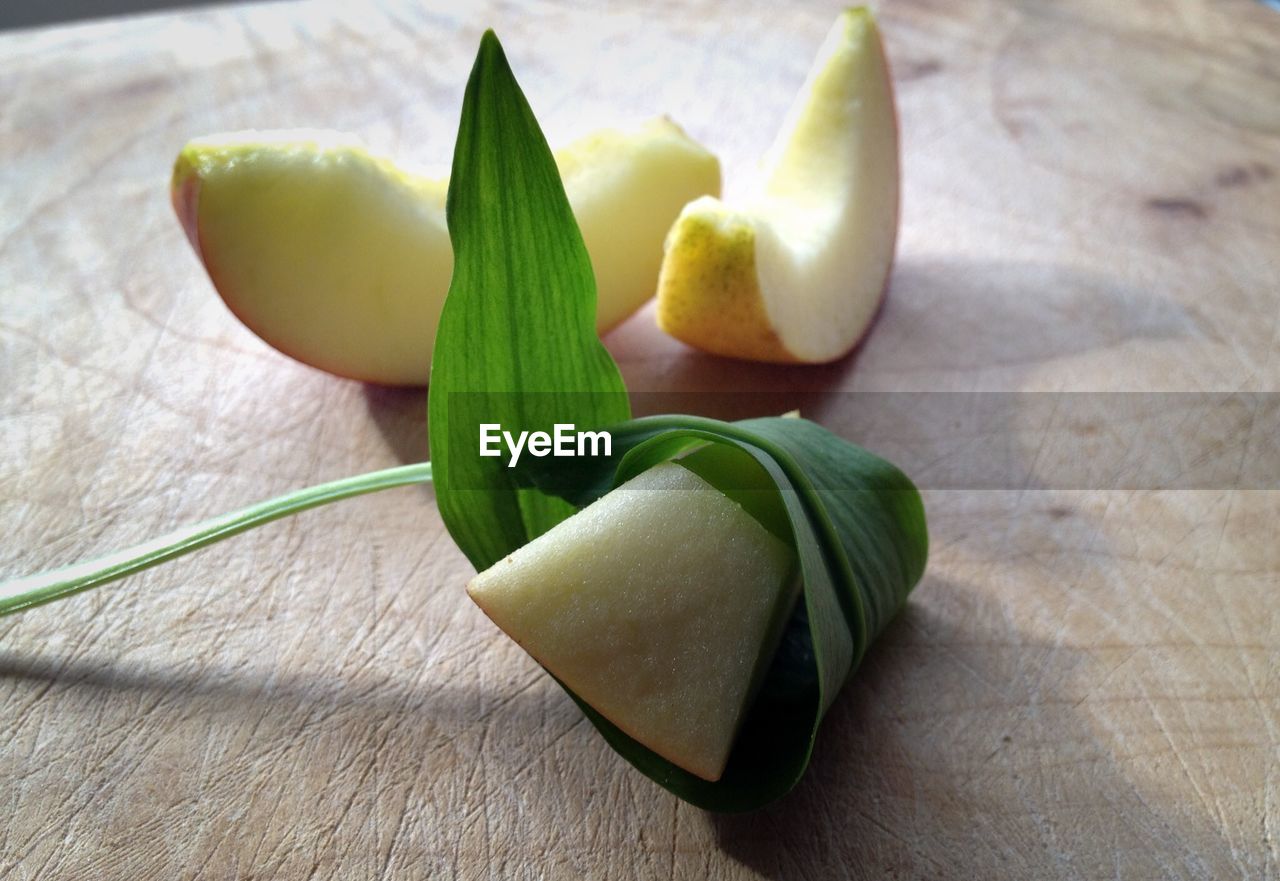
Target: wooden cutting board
{"points": [[1085, 685]]}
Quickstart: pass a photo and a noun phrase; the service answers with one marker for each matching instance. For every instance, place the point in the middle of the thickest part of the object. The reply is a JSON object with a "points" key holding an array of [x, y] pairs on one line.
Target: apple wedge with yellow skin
{"points": [[798, 273], [341, 259], [659, 605]]}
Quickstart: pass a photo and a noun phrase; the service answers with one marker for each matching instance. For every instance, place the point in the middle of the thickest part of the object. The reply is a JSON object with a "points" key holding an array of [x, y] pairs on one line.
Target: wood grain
{"points": [[1084, 686]]}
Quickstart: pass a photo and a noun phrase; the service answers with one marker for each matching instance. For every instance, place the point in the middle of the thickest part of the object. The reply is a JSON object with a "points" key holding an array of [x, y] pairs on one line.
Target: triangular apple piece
{"points": [[658, 605], [796, 273]]}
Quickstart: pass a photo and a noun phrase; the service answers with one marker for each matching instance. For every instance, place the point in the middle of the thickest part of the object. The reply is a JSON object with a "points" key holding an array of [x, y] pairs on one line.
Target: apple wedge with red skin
{"points": [[341, 258]]}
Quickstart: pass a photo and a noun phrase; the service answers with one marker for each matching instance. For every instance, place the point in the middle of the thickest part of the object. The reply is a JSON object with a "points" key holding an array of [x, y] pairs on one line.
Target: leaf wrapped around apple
{"points": [[667, 607]]}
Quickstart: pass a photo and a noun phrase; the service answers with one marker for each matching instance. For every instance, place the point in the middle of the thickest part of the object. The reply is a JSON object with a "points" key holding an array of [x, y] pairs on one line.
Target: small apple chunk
{"points": [[659, 605], [342, 259], [797, 273]]}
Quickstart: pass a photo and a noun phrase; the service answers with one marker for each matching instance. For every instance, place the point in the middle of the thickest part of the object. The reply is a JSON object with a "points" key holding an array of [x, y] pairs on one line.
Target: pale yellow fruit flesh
{"points": [[342, 259], [796, 275], [658, 605]]}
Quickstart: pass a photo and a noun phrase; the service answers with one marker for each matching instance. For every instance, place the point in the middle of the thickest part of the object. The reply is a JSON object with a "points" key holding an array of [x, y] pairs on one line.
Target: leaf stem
{"points": [[35, 590]]}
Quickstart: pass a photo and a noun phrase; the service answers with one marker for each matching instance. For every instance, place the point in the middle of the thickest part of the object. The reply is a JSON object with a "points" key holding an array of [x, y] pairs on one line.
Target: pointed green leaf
{"points": [[519, 318]]}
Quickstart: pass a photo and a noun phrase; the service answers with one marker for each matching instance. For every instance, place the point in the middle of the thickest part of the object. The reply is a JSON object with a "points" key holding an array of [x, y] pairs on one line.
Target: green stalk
{"points": [[35, 590]]}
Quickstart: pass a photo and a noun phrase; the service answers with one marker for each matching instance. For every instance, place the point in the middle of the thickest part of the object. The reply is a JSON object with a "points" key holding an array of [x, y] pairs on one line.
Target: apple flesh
{"points": [[659, 605], [342, 259], [797, 274]]}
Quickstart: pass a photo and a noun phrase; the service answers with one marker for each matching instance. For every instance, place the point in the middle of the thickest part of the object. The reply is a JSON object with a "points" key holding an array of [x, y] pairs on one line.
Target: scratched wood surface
{"points": [[1085, 685]]}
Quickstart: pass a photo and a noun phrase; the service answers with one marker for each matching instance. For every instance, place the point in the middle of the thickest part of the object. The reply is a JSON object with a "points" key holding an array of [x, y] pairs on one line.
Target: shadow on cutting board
{"points": [[401, 416], [949, 326], [961, 749], [946, 322], [951, 318]]}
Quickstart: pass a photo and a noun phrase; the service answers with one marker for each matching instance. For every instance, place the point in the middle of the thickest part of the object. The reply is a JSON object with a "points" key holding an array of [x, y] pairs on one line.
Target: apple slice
{"points": [[342, 259], [660, 605], [798, 273]]}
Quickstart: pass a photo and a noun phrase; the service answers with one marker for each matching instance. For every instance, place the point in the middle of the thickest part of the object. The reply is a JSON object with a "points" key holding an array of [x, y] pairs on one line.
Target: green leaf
{"points": [[519, 317], [874, 509]]}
